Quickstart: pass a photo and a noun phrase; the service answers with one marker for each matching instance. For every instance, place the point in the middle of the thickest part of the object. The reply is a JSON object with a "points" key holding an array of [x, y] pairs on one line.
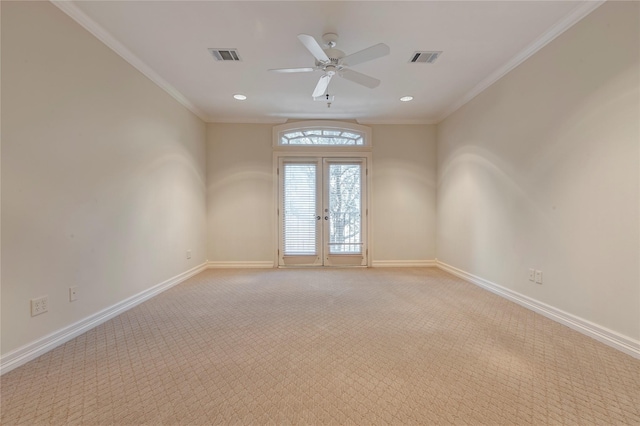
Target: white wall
{"points": [[103, 175], [241, 205], [404, 192], [542, 170]]}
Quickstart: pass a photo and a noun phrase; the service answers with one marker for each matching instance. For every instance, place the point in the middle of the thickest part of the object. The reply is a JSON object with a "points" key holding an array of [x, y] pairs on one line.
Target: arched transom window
{"points": [[322, 133], [322, 137]]}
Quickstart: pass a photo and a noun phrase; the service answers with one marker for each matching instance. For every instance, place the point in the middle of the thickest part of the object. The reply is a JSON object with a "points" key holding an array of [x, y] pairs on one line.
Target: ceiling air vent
{"points": [[225, 54], [425, 57]]}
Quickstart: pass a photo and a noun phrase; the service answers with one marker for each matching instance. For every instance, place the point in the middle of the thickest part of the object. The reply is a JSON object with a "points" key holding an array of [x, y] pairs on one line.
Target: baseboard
{"points": [[239, 264], [375, 264], [402, 263], [38, 347], [602, 334]]}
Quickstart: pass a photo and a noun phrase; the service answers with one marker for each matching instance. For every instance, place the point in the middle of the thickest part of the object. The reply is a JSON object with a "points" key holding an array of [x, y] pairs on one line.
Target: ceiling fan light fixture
{"points": [[406, 98], [239, 97]]}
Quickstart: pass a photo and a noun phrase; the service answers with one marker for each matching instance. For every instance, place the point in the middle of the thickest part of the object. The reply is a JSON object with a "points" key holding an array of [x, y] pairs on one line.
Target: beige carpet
{"points": [[331, 346]]}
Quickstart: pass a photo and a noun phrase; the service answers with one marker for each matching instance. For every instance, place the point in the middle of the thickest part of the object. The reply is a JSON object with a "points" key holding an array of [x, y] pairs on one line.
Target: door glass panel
{"points": [[345, 209], [299, 209]]}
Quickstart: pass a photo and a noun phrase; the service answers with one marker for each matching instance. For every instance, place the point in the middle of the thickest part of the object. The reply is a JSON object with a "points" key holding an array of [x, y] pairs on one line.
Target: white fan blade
{"points": [[287, 70], [322, 85], [358, 77], [368, 54], [312, 46]]}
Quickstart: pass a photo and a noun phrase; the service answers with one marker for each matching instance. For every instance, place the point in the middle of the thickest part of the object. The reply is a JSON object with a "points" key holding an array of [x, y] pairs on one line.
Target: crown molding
{"points": [[247, 120], [69, 8], [576, 15], [397, 121], [278, 120]]}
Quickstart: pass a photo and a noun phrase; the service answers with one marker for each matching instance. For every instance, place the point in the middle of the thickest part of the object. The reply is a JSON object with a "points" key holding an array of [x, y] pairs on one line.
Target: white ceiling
{"points": [[481, 41]]}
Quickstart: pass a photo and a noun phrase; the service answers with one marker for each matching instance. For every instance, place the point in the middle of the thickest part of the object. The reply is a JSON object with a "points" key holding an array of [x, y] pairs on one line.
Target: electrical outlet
{"points": [[539, 277], [188, 254], [73, 294], [39, 305], [532, 274]]}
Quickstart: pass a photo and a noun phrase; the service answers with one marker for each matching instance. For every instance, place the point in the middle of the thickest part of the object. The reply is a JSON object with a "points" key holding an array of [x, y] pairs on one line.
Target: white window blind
{"points": [[299, 208]]}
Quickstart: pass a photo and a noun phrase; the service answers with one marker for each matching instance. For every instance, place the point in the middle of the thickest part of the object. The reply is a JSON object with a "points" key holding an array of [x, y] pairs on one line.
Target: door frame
{"points": [[319, 154]]}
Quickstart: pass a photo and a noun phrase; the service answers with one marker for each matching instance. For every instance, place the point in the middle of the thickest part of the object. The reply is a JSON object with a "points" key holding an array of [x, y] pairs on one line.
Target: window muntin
{"points": [[322, 137]]}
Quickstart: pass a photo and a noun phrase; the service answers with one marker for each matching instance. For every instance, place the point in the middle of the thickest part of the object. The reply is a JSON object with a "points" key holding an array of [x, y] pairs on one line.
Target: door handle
{"points": [[326, 218], [318, 218]]}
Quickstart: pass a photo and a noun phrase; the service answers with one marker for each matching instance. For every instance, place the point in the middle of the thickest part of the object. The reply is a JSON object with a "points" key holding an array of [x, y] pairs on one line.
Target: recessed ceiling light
{"points": [[239, 97], [406, 98]]}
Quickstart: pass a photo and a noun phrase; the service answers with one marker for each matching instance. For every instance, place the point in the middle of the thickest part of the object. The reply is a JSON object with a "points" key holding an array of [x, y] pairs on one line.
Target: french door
{"points": [[322, 211]]}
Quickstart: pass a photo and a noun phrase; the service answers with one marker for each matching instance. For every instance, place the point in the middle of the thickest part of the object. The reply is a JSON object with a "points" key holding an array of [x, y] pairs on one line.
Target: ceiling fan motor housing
{"points": [[333, 66], [334, 55], [331, 69]]}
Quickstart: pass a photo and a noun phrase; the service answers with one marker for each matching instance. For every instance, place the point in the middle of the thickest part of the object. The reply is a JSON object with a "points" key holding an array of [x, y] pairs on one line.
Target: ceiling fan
{"points": [[332, 61]]}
